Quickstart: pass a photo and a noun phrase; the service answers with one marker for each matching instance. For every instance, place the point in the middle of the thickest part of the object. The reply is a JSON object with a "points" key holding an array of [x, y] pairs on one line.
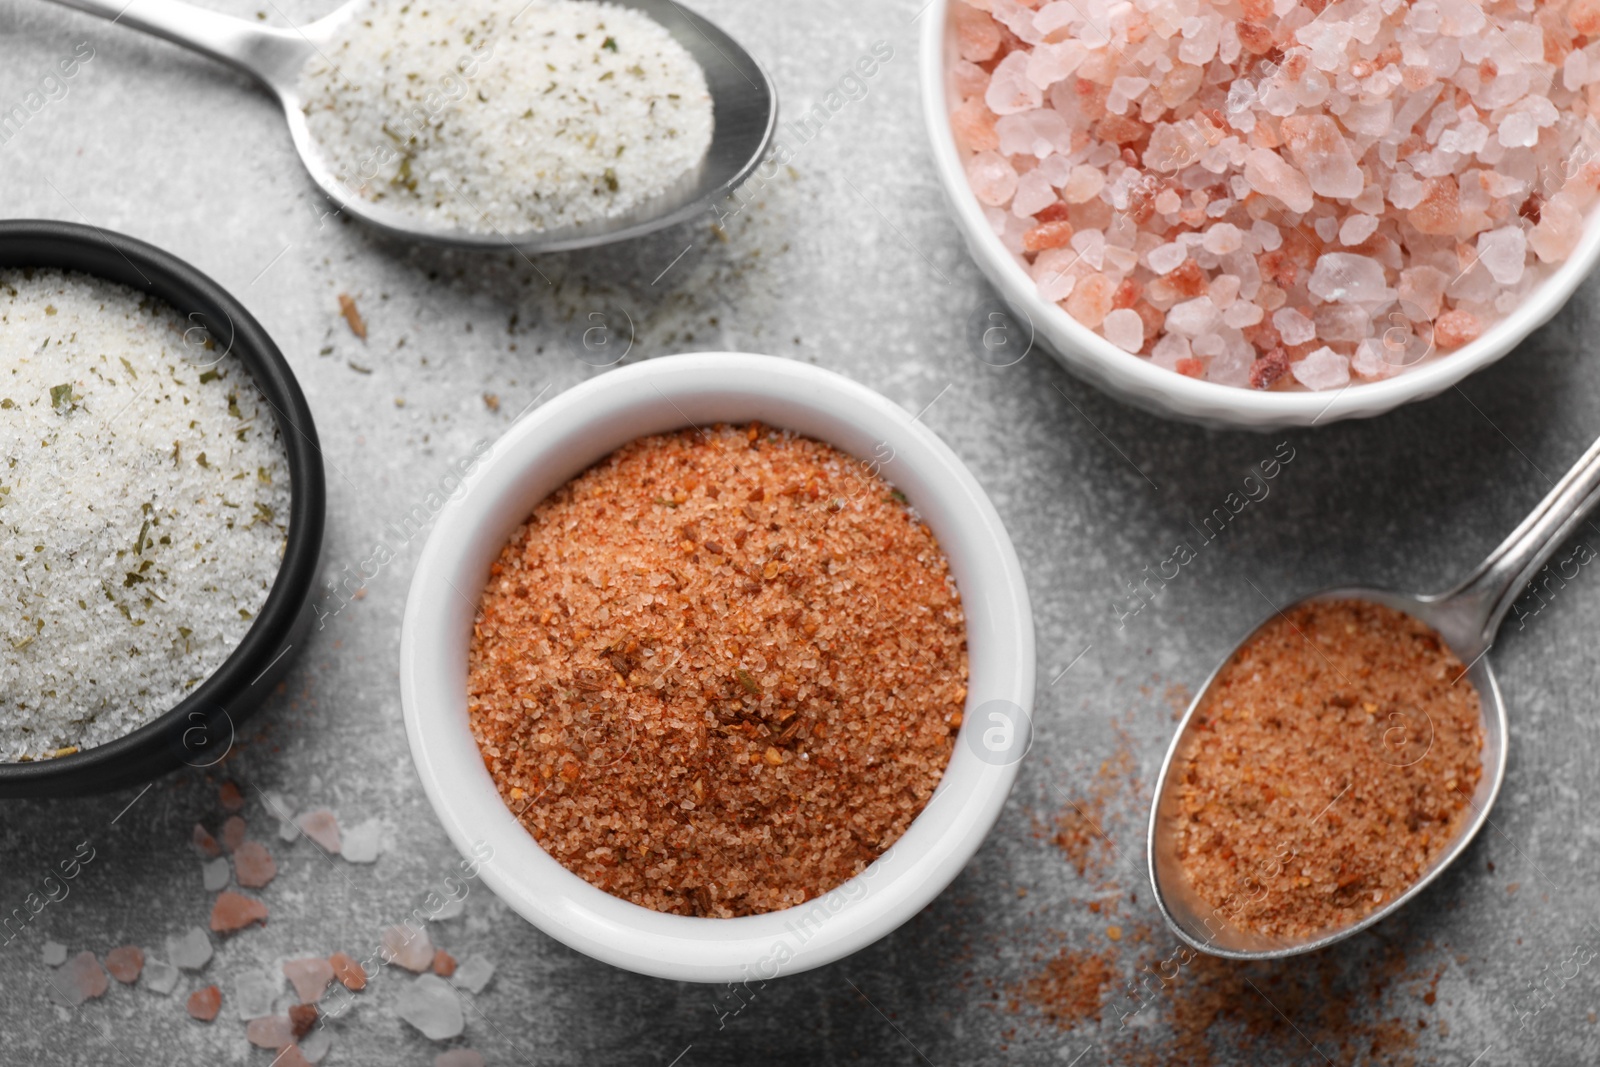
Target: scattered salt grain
{"points": [[502, 116], [158, 975], [430, 1005], [270, 1032], [54, 954], [348, 971], [255, 991], [204, 843], [1504, 252], [314, 1046], [234, 911], [473, 974], [125, 963], [362, 843], [233, 831], [81, 978], [309, 976], [411, 949], [215, 873], [191, 951], [205, 1003], [322, 826], [253, 865]]}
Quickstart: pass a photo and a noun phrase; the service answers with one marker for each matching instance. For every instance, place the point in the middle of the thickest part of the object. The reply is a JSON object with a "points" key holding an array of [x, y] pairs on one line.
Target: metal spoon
{"points": [[744, 100], [1467, 617]]}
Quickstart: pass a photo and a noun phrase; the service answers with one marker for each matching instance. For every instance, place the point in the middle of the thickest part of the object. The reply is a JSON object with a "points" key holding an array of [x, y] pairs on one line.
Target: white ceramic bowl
{"points": [[568, 434], [1143, 384]]}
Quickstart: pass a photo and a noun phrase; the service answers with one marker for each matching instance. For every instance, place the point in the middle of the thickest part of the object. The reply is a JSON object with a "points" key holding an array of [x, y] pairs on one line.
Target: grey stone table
{"points": [[847, 260]]}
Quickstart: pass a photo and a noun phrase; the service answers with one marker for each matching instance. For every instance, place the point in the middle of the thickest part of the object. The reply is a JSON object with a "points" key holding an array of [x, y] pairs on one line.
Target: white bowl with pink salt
{"points": [[1261, 213]]}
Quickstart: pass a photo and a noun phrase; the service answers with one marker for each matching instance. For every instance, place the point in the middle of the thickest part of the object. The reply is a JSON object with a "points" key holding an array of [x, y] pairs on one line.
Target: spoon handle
{"points": [[263, 52], [1488, 593]]}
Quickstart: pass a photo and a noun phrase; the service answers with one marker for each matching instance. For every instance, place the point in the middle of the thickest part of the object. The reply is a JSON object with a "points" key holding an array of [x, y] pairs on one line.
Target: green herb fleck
{"points": [[751, 686], [609, 42]]}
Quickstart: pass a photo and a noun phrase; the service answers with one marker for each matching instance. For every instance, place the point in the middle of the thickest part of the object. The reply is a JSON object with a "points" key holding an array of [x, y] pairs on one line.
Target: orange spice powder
{"points": [[720, 672], [1331, 764]]}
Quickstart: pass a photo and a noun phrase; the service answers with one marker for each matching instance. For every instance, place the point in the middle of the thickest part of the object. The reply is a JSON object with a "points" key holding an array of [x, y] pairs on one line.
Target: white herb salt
{"points": [[144, 502], [504, 116]]}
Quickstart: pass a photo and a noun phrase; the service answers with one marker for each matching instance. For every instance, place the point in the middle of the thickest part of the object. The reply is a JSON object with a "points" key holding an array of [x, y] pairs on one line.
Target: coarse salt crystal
{"points": [[1293, 327], [1357, 228], [1322, 369], [1125, 329]]}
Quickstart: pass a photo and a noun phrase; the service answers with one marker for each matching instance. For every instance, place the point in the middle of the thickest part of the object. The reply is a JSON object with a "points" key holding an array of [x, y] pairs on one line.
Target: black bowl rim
{"points": [[159, 745]]}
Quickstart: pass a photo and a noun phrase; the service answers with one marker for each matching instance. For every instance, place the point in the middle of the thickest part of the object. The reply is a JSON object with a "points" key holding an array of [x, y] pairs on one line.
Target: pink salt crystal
{"points": [[1371, 360], [1504, 252], [969, 79], [1422, 291], [230, 797], [348, 971], [1456, 328], [1320, 151], [1341, 322], [1091, 300], [977, 36], [1222, 238], [234, 911], [1125, 329], [1033, 195], [86, 977], [205, 1003], [1224, 290], [1357, 228], [1051, 63], [1193, 318], [1243, 314], [1010, 88], [1083, 185], [233, 831], [1560, 227], [1053, 273], [444, 964], [1348, 278], [412, 950], [291, 1056], [1322, 369], [253, 865], [1269, 175], [974, 127], [1293, 327], [322, 826], [204, 843], [270, 1031], [309, 977], [1439, 210], [1164, 259], [125, 963], [992, 177]]}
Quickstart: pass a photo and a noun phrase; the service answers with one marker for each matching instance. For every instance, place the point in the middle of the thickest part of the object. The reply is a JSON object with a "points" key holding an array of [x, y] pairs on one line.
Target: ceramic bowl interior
{"points": [[551, 445], [1140, 382]]}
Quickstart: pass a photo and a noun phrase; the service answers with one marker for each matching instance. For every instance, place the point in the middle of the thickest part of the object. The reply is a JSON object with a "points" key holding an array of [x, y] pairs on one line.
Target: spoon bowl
{"points": [[744, 105], [1467, 617]]}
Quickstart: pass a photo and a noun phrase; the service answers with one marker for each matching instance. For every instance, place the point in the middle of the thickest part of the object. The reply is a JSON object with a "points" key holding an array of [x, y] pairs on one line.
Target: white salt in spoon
{"points": [[1467, 617], [744, 102]]}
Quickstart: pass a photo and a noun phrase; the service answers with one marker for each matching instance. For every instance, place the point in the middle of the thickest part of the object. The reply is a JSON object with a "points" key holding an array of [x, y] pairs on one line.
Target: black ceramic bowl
{"points": [[200, 731]]}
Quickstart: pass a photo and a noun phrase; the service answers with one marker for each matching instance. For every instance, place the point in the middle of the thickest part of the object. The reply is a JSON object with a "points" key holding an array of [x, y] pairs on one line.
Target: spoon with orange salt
{"points": [[1313, 711]]}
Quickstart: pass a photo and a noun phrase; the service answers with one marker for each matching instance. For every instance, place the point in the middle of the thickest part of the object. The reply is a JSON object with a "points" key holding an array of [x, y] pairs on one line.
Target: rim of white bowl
{"points": [[569, 433], [1140, 381]]}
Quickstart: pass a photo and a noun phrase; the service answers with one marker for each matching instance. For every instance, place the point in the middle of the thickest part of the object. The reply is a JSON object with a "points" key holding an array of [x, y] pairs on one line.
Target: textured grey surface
{"points": [[847, 260]]}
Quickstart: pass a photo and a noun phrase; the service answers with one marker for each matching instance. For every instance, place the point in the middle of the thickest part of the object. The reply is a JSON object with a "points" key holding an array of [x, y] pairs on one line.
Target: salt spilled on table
{"points": [[430, 1005], [1418, 165]]}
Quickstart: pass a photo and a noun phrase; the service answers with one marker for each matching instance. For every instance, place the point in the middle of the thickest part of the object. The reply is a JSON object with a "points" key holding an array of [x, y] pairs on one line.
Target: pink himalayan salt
{"points": [[310, 977], [253, 865], [993, 178], [125, 963], [205, 1003], [1188, 126], [81, 978], [229, 796], [291, 1056], [348, 971], [1268, 174], [270, 1032], [322, 826], [406, 948], [233, 831], [444, 964], [234, 911], [1322, 369], [1125, 329], [204, 843], [1090, 301]]}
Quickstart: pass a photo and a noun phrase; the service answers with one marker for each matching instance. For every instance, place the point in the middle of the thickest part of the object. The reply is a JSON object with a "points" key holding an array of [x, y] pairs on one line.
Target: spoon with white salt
{"points": [[1467, 617], [743, 99]]}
